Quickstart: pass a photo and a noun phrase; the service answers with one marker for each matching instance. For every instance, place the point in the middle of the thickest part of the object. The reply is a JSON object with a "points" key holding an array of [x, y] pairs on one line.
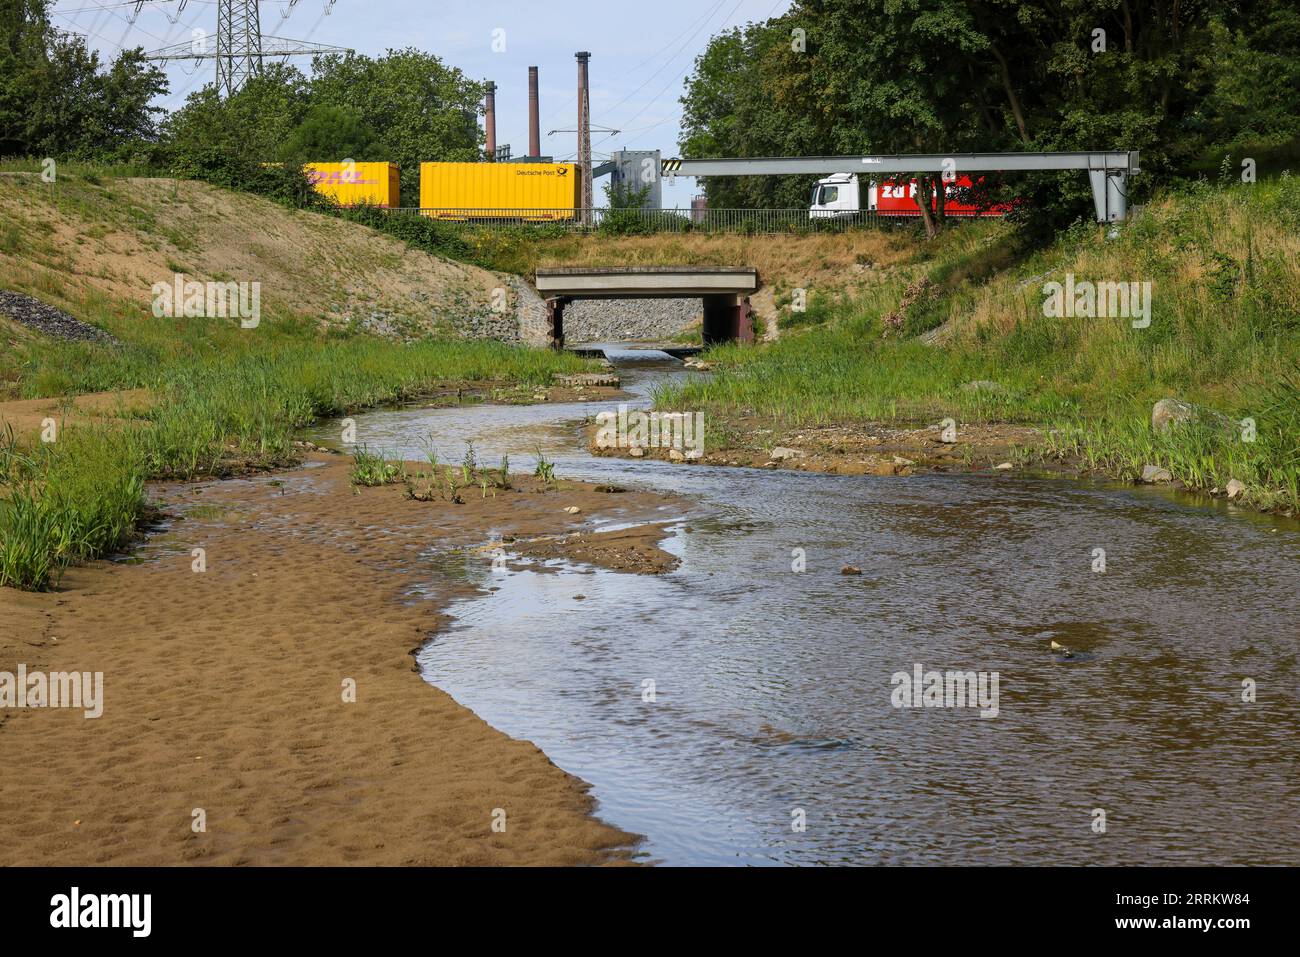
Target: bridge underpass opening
{"points": [[723, 290]]}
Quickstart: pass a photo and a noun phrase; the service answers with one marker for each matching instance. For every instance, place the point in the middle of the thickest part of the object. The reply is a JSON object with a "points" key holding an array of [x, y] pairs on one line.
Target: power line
{"points": [[554, 113], [678, 77]]}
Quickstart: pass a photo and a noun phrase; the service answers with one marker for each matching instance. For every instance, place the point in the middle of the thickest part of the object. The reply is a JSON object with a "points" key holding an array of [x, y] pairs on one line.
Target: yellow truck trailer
{"points": [[496, 191], [351, 184]]}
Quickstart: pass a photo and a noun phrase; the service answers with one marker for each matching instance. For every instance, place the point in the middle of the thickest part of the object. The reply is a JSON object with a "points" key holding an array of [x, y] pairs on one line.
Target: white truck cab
{"points": [[836, 195], [841, 194]]}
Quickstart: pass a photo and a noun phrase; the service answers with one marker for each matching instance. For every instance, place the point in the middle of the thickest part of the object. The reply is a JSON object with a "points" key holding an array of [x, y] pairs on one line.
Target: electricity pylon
{"points": [[240, 47]]}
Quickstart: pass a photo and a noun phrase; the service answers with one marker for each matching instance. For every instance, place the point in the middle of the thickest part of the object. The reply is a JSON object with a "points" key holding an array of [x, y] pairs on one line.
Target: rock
{"points": [[1005, 466], [1168, 413], [573, 510], [1153, 474], [35, 314], [1235, 488], [781, 453], [636, 451], [676, 455], [850, 570]]}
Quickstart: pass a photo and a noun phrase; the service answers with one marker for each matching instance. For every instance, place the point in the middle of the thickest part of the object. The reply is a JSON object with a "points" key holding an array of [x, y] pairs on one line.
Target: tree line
{"points": [[1187, 82], [58, 99]]}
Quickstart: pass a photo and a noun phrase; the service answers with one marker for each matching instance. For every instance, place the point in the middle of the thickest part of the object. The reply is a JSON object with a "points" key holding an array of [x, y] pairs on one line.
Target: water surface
{"points": [[772, 687]]}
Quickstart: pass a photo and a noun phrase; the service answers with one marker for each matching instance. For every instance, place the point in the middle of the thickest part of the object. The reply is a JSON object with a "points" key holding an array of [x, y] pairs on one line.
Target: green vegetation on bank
{"points": [[1224, 268], [82, 495]]}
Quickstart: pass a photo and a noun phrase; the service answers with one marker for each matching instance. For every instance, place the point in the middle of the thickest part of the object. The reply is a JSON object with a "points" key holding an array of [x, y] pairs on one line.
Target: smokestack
{"points": [[490, 121], [534, 133], [584, 133]]}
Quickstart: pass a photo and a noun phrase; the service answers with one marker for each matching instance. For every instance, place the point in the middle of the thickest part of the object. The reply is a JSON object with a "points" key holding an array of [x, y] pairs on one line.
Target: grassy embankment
{"points": [[1224, 264], [223, 397]]}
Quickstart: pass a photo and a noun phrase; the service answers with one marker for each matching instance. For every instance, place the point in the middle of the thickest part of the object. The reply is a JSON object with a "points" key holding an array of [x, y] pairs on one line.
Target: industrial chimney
{"points": [[490, 121], [584, 134], [534, 132]]}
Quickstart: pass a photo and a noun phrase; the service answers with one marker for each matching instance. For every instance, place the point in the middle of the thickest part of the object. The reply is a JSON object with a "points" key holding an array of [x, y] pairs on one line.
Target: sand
{"points": [[224, 689]]}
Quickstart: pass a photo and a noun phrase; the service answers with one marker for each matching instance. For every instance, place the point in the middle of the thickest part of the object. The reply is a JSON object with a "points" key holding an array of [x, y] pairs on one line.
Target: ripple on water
{"points": [[772, 689]]}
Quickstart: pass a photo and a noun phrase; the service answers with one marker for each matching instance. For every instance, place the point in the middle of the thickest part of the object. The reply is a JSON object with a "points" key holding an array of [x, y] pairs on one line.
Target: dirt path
{"points": [[25, 416], [223, 690]]}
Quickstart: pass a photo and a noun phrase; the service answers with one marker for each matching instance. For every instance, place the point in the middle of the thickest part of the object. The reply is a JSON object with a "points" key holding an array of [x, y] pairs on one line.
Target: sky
{"points": [[641, 54]]}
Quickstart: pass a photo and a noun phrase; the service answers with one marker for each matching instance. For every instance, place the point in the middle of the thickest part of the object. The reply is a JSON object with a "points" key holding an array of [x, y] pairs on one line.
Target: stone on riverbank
{"points": [[1168, 413], [1154, 474]]}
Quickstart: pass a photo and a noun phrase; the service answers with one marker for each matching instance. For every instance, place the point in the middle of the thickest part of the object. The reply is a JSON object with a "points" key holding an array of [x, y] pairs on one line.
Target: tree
{"points": [[332, 134], [1178, 81], [420, 109], [237, 142], [57, 99]]}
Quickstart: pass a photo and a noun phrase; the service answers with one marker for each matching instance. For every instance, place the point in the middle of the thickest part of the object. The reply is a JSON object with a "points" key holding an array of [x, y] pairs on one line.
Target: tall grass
{"points": [[74, 499], [1224, 268]]}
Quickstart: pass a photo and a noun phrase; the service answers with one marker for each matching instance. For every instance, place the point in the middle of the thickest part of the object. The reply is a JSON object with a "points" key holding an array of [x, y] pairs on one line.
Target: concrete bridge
{"points": [[724, 290]]}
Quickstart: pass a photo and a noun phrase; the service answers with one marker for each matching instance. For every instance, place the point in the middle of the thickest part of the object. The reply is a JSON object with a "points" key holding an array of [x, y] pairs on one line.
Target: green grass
{"points": [[80, 497], [1224, 264], [62, 502], [374, 468]]}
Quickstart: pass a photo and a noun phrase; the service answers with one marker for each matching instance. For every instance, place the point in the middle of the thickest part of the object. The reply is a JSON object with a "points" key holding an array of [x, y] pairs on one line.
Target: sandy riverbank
{"points": [[866, 448], [224, 689]]}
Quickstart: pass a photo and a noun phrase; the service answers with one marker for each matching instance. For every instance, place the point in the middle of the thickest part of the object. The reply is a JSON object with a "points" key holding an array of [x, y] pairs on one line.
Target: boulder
{"points": [[1168, 413], [1153, 474]]}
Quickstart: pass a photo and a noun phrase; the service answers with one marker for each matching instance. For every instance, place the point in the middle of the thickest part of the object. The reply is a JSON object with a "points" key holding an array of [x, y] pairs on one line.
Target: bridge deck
{"points": [[616, 282]]}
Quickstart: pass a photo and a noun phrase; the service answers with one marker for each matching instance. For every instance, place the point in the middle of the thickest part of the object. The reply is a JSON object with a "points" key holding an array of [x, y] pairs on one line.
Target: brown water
{"points": [[773, 691]]}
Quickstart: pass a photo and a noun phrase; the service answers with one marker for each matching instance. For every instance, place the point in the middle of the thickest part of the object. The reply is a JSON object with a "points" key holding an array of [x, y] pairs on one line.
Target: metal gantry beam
{"points": [[1108, 170]]}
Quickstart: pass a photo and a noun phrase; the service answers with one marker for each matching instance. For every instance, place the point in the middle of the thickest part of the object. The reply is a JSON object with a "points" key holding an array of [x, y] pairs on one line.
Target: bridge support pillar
{"points": [[555, 321], [727, 318]]}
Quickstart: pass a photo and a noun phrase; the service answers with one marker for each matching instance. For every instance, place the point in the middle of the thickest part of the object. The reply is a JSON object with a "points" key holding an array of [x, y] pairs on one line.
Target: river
{"points": [[771, 733]]}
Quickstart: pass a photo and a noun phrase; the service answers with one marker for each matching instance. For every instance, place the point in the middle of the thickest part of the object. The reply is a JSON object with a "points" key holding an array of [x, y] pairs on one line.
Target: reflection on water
{"points": [[772, 687]]}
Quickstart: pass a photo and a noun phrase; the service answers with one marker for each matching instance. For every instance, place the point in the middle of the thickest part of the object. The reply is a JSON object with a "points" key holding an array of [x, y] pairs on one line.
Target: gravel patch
{"points": [[35, 314], [606, 320]]}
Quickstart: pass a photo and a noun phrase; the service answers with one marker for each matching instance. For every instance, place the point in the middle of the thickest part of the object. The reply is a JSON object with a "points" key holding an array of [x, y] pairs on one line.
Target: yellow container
{"points": [[533, 191], [351, 184]]}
